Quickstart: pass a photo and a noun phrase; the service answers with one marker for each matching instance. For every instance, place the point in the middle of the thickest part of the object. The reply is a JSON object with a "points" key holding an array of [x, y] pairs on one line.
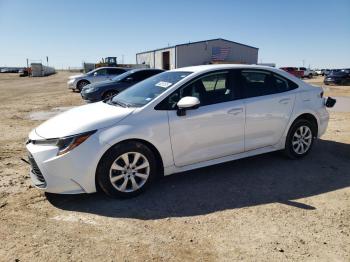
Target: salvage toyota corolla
{"points": [[176, 121]]}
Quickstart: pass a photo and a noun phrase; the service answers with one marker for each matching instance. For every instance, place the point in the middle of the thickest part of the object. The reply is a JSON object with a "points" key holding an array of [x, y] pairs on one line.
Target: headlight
{"points": [[65, 144]]}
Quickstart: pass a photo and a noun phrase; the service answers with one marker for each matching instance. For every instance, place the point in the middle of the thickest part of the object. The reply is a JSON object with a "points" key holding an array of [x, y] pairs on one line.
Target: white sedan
{"points": [[176, 121]]}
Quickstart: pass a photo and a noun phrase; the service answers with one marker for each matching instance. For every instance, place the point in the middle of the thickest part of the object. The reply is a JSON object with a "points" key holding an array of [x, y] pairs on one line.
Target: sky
{"points": [[313, 33]]}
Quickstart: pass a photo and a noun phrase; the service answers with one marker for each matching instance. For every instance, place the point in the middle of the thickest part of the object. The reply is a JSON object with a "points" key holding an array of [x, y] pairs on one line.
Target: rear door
{"points": [[269, 101]]}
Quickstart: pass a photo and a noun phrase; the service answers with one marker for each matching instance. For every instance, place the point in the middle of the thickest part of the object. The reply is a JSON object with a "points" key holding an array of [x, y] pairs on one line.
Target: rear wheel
{"points": [[126, 170], [300, 139]]}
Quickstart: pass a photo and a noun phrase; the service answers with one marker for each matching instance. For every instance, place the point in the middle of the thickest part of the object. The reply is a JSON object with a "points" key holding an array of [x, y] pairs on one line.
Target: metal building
{"points": [[199, 53], [38, 69]]}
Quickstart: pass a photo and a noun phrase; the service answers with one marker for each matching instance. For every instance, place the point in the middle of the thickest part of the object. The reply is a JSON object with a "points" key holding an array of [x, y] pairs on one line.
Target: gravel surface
{"points": [[263, 208]]}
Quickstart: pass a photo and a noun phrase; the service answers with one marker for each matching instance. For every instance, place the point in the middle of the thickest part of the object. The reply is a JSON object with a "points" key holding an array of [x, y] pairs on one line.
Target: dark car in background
{"points": [[338, 77], [106, 89]]}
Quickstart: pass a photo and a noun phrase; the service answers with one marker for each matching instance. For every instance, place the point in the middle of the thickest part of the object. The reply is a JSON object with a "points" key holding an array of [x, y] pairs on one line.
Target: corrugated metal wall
{"points": [[145, 58], [201, 53], [39, 69], [155, 58], [159, 58]]}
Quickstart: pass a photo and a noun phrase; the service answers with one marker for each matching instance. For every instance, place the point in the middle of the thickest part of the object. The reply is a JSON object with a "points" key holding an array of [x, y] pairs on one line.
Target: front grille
{"points": [[35, 169]]}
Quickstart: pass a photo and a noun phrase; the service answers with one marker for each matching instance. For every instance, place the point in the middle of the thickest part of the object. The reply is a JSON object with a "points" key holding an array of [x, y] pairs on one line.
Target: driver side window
{"points": [[210, 89], [101, 72]]}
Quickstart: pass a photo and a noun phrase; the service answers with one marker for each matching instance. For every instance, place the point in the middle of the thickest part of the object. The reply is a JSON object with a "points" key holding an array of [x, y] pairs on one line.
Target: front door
{"points": [[215, 129], [99, 75]]}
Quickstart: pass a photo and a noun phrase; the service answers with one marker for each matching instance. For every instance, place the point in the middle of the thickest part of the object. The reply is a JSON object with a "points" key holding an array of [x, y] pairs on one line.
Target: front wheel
{"points": [[109, 94], [81, 84], [126, 170], [300, 139]]}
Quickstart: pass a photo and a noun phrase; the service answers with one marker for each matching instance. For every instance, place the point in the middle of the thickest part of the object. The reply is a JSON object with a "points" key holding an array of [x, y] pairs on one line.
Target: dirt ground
{"points": [[264, 208]]}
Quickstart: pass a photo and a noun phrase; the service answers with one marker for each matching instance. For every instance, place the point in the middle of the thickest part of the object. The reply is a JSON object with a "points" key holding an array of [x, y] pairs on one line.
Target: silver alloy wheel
{"points": [[302, 140], [129, 172]]}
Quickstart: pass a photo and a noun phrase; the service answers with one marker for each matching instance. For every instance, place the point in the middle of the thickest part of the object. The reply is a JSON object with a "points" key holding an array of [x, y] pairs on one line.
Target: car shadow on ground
{"points": [[263, 179]]}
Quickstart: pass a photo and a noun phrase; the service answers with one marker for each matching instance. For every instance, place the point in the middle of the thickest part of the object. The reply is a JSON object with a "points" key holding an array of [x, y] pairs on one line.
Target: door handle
{"points": [[235, 111], [284, 101]]}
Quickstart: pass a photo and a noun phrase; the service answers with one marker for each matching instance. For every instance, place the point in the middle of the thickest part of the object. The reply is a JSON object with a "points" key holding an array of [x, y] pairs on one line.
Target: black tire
{"points": [[109, 94], [81, 84], [103, 175], [289, 149]]}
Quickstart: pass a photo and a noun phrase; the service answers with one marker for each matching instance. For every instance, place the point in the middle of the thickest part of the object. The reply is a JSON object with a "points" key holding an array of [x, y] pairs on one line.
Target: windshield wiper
{"points": [[116, 102]]}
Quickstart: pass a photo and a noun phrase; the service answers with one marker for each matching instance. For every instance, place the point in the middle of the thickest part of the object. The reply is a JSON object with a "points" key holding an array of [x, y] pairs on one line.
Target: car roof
{"points": [[111, 67], [197, 70], [202, 68], [145, 69]]}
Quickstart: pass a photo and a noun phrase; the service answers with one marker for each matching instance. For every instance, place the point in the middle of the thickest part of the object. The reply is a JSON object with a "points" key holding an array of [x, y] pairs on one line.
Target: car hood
{"points": [[75, 76], [82, 119], [336, 76], [106, 83]]}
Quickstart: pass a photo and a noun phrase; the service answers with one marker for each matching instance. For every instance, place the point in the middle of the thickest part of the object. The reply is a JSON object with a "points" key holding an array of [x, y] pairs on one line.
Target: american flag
{"points": [[219, 53]]}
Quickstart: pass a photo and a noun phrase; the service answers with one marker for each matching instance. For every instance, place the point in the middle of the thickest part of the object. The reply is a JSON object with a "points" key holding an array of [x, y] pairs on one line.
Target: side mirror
{"points": [[95, 74], [187, 103]]}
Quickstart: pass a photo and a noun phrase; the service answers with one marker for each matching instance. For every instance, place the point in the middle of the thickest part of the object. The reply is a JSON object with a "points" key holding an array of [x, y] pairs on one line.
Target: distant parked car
{"points": [[293, 71], [24, 72], [77, 82], [106, 89], [313, 72], [326, 72], [306, 72], [318, 72], [337, 78]]}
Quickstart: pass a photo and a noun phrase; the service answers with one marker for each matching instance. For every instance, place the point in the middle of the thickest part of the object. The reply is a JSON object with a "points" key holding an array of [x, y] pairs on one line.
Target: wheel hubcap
{"points": [[129, 172], [302, 140]]}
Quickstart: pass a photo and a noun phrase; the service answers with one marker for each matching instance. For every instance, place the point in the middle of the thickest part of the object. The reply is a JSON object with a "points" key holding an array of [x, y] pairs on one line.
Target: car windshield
{"points": [[123, 75], [93, 71], [145, 91], [338, 73]]}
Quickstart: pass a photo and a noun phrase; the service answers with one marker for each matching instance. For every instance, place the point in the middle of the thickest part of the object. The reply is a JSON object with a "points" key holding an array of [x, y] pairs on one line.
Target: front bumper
{"points": [[71, 84], [70, 173], [323, 117], [90, 97]]}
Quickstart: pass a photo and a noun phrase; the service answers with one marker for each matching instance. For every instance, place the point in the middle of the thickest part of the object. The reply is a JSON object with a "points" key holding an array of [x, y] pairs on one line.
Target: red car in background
{"points": [[294, 71]]}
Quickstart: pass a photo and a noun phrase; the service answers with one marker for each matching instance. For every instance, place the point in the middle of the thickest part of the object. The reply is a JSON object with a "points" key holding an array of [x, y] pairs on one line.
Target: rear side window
{"points": [[260, 83], [115, 71], [214, 82], [141, 75]]}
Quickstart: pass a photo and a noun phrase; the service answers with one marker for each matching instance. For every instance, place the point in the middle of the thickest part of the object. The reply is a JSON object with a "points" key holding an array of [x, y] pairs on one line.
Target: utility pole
{"points": [[303, 62]]}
